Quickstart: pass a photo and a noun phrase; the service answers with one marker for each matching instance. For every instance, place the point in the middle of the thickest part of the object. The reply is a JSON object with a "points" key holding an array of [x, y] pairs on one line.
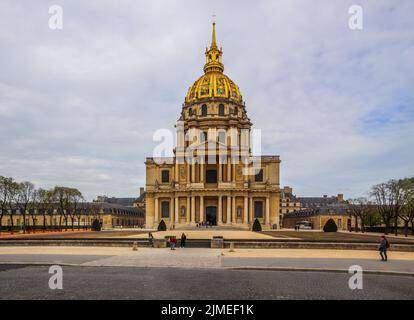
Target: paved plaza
{"points": [[197, 273], [323, 259], [31, 282]]}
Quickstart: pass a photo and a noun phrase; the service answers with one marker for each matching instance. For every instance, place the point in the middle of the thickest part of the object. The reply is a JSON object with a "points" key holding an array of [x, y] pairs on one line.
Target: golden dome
{"points": [[214, 83]]}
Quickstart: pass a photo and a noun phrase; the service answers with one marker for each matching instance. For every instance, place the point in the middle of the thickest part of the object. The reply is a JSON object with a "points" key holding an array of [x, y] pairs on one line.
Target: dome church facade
{"points": [[213, 177]]}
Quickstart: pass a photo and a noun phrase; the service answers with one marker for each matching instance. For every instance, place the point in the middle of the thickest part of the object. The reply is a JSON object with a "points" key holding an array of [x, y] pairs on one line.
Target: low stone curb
{"points": [[205, 243], [379, 272]]}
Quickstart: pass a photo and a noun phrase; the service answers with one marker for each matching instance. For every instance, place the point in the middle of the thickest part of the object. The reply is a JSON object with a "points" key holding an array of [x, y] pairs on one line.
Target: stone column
{"points": [[220, 210], [172, 210], [202, 172], [188, 210], [156, 213], [202, 209], [233, 210], [193, 172], [219, 178], [228, 169], [234, 172], [251, 214], [267, 217], [228, 209], [193, 209], [177, 210], [188, 172], [246, 210]]}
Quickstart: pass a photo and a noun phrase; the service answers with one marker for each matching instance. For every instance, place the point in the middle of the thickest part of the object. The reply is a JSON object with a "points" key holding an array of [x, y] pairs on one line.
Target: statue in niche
{"points": [[182, 172], [239, 212]]}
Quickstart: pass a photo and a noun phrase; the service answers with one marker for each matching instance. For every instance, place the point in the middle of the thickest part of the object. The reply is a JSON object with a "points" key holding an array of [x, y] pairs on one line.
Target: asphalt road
{"points": [[31, 282]]}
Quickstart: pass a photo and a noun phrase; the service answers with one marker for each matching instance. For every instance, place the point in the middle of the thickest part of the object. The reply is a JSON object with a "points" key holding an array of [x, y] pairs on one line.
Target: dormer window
{"points": [[165, 176], [221, 110], [204, 110], [259, 176]]}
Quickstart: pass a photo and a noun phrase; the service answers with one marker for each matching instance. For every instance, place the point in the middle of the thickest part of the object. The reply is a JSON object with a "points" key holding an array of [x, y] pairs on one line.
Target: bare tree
{"points": [[75, 197], [3, 198], [24, 197], [361, 209], [62, 197], [12, 192]]}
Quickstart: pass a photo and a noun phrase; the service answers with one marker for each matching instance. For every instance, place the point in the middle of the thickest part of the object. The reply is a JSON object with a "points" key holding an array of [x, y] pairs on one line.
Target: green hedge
{"points": [[330, 226]]}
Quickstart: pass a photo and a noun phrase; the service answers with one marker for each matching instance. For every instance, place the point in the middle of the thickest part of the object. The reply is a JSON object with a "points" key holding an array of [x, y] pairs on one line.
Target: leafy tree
{"points": [[256, 225], [330, 226], [407, 212]]}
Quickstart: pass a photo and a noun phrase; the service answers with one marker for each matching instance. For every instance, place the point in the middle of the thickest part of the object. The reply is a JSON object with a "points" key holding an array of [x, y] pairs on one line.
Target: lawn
{"points": [[333, 236], [77, 235]]}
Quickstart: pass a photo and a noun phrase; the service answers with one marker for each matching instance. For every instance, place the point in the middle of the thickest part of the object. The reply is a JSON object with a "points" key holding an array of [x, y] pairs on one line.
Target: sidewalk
{"points": [[267, 259]]}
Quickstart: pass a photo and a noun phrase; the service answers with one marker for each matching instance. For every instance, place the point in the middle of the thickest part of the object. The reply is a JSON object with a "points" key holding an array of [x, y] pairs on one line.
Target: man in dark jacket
{"points": [[383, 247], [183, 239]]}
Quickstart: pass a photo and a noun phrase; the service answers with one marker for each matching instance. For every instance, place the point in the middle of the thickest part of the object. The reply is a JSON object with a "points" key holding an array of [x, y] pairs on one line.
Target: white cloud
{"points": [[79, 106]]}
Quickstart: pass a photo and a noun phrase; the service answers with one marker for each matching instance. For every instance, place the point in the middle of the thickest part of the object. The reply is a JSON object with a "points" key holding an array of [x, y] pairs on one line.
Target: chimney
{"points": [[141, 190], [340, 197]]}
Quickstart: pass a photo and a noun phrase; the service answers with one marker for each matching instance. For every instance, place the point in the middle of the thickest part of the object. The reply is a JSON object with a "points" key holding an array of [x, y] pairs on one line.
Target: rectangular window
{"points": [[165, 209], [259, 176], [211, 176], [165, 176], [258, 209]]}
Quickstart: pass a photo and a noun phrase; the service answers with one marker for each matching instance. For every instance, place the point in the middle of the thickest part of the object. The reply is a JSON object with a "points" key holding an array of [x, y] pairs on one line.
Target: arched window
{"points": [[204, 110], [221, 110], [190, 112], [236, 110]]}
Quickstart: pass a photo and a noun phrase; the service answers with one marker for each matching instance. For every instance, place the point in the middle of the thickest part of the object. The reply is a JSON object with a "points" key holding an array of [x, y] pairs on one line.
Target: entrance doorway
{"points": [[211, 215]]}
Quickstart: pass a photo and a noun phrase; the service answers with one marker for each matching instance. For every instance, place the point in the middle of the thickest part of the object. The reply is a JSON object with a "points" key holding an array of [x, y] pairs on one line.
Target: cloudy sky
{"points": [[79, 106]]}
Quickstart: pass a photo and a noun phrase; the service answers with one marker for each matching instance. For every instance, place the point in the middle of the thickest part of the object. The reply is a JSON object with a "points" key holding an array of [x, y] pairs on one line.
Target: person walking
{"points": [[383, 247], [173, 242], [151, 239], [183, 240]]}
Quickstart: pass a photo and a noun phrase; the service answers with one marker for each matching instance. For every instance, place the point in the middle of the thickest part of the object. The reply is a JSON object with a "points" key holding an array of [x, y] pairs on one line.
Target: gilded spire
{"points": [[213, 38], [213, 55]]}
